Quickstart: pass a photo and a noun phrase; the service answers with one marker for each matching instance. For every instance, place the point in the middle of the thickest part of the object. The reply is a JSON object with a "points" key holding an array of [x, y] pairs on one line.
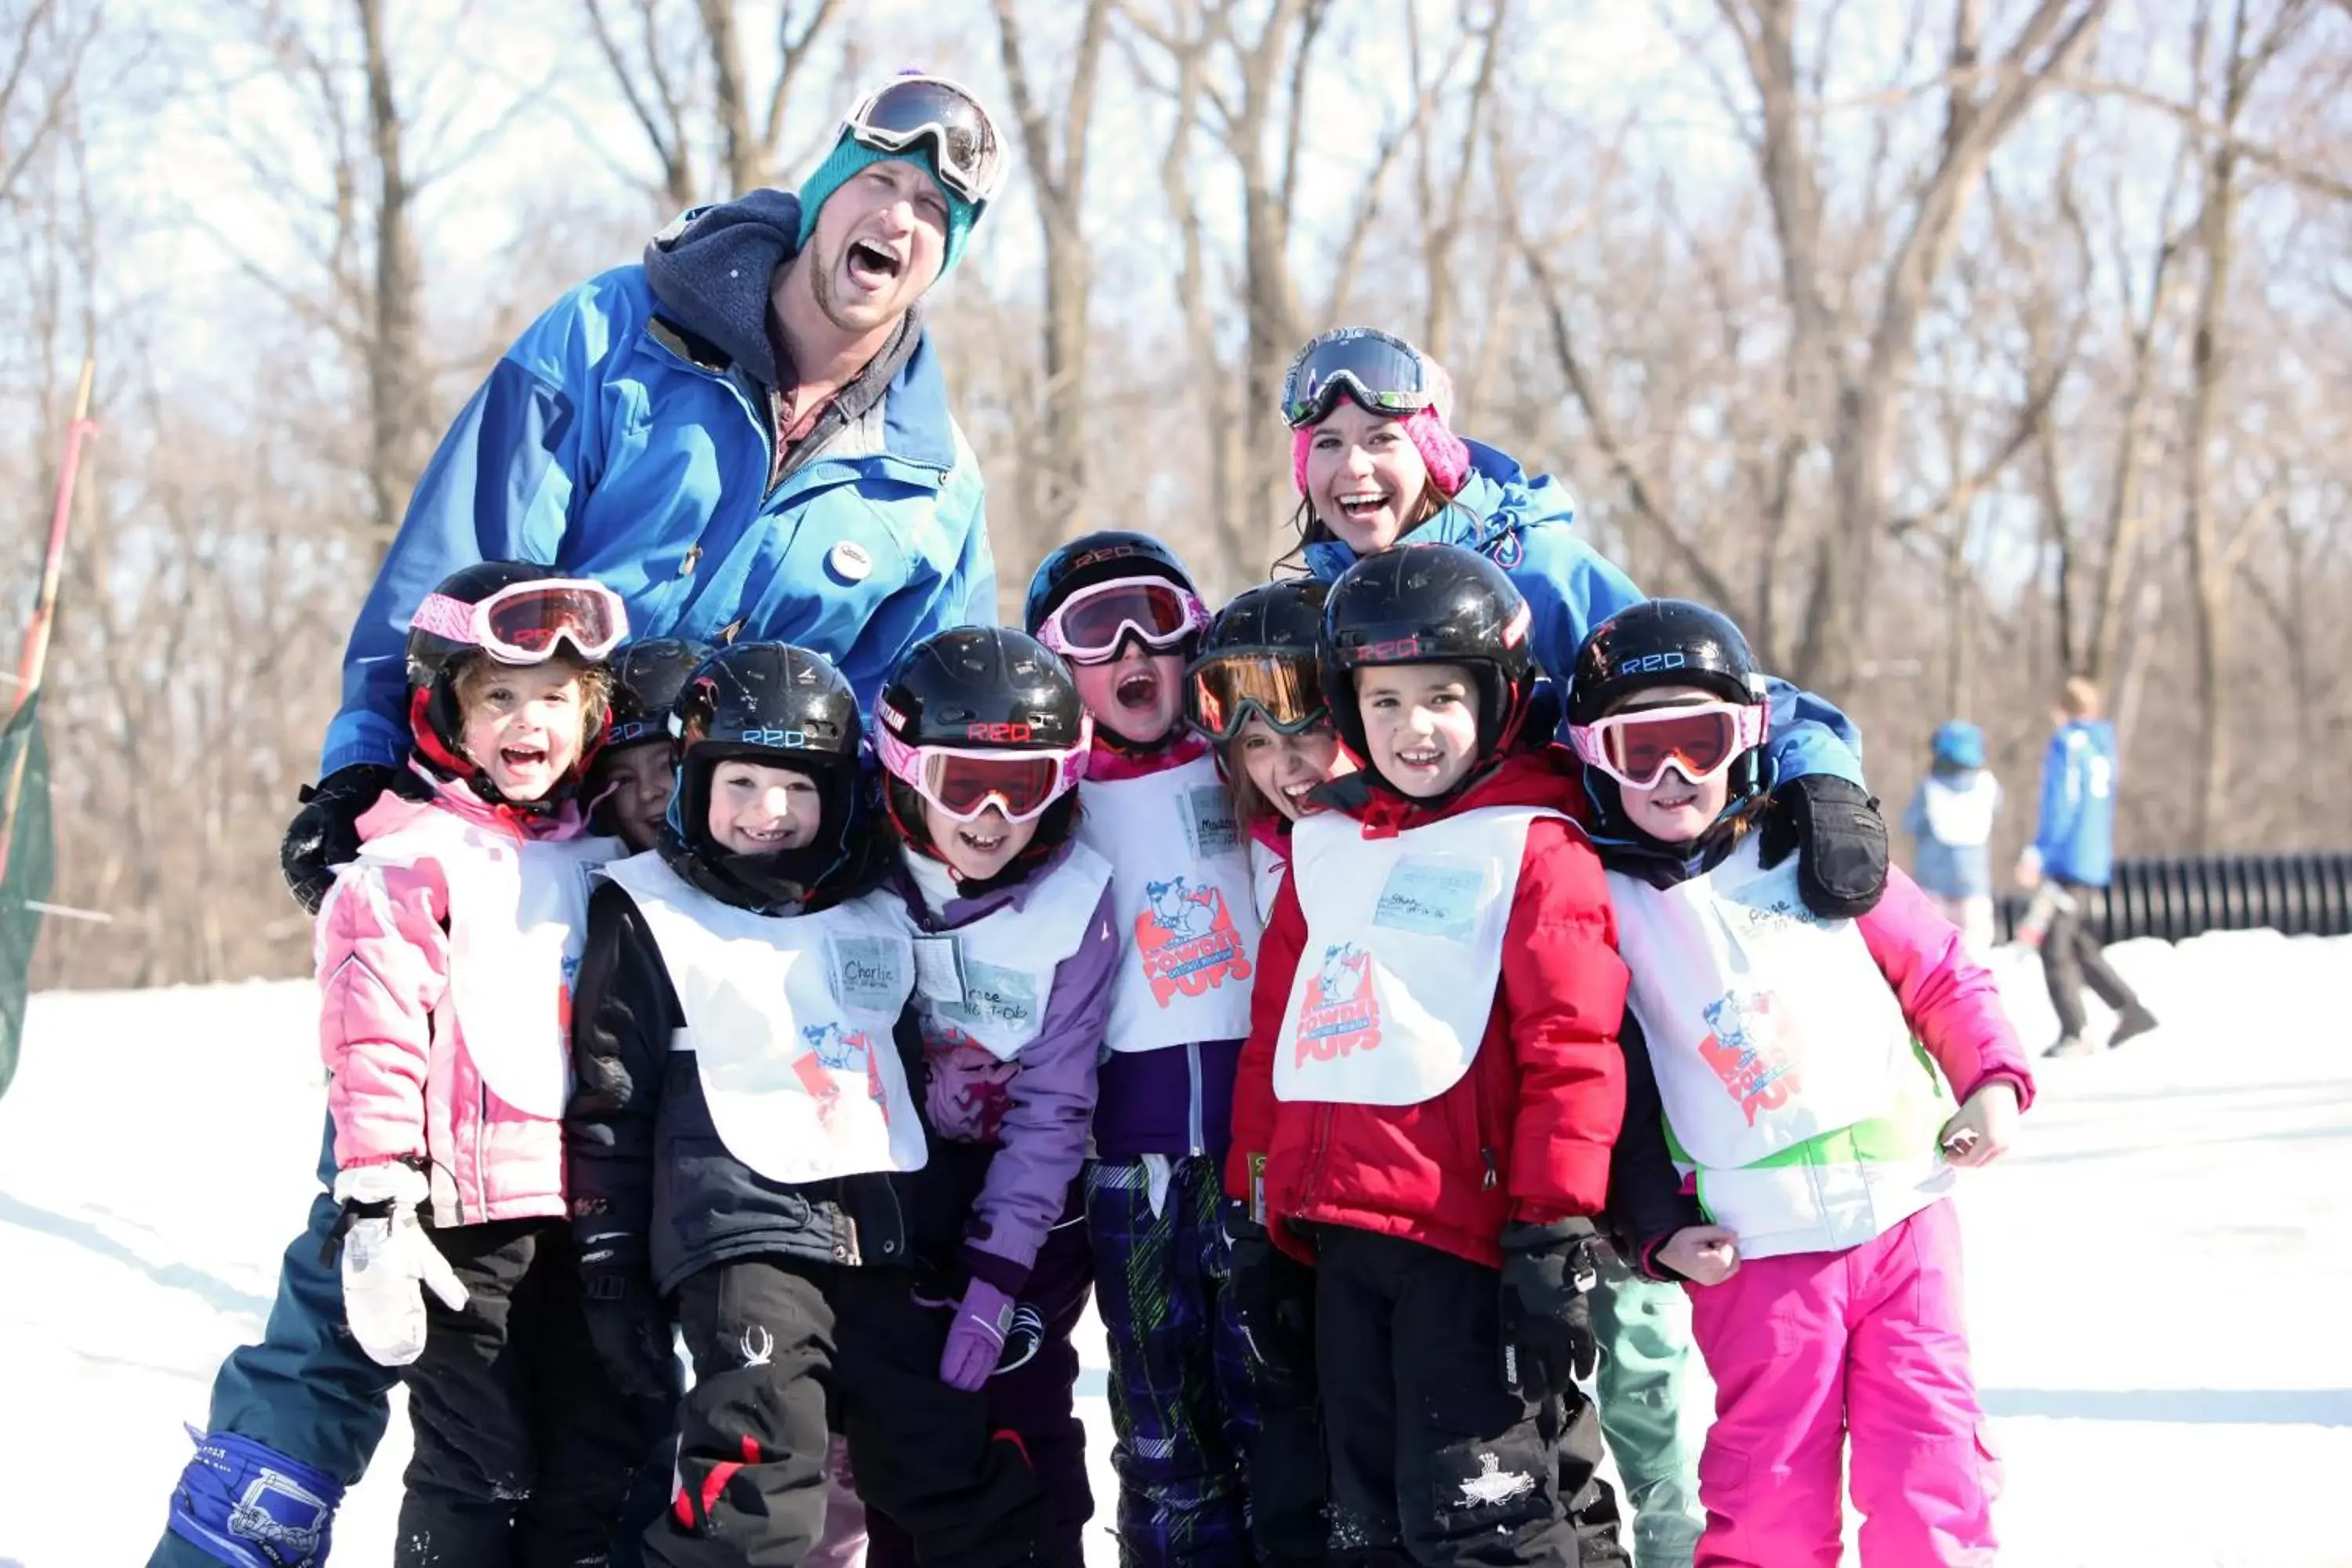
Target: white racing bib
{"points": [[1404, 952], [790, 1022], [991, 981], [1767, 1025], [1961, 817], [518, 918], [1188, 924]]}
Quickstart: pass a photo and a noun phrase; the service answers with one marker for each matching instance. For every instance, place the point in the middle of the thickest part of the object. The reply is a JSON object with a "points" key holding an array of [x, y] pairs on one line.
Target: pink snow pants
{"points": [[1808, 1348]]}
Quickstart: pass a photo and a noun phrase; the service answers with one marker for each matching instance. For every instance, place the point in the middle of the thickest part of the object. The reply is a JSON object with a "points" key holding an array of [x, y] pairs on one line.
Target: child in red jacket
{"points": [[1433, 1082]]}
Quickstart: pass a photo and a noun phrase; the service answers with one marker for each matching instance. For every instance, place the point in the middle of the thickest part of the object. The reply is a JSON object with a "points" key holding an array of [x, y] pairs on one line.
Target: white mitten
{"points": [[389, 1262]]}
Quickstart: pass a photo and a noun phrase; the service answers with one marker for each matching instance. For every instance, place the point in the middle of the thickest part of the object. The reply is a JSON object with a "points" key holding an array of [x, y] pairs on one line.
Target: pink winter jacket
{"points": [[404, 1086], [1951, 1001]]}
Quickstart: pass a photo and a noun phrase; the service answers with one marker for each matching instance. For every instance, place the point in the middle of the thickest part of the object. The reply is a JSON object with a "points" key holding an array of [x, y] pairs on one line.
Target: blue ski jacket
{"points": [[2076, 836], [627, 436], [1526, 526]]}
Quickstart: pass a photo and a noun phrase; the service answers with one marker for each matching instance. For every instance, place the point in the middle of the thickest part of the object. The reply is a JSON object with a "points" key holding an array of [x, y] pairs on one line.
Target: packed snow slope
{"points": [[2158, 1276]]}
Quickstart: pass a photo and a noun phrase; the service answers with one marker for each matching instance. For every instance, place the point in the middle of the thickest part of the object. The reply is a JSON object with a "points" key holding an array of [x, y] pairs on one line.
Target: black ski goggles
{"points": [[1379, 373], [1285, 689], [912, 108]]}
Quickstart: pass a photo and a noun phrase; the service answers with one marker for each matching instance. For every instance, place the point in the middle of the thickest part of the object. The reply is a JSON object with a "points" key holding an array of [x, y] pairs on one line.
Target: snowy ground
{"points": [[2157, 1290]]}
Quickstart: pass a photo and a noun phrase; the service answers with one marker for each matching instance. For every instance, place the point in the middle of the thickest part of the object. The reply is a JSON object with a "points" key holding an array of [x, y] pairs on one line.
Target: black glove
{"points": [[626, 1319], [325, 833], [1274, 1296], [1840, 839], [1548, 1271]]}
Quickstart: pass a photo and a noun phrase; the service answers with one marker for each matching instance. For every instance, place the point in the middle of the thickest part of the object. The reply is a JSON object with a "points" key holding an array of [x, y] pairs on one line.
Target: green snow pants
{"points": [[1644, 1328]]}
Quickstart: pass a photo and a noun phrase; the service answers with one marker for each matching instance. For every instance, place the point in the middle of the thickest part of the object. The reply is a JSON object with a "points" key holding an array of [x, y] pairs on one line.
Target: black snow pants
{"points": [[2071, 956], [525, 1451], [787, 1352], [1432, 1460]]}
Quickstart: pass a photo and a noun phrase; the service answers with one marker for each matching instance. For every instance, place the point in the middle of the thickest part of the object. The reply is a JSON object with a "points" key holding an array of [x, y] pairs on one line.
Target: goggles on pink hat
{"points": [[1379, 373], [522, 623], [1087, 626]]}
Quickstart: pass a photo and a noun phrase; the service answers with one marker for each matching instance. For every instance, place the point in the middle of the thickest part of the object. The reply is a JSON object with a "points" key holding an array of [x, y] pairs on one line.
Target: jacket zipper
{"points": [[481, 1153], [1195, 1133], [1478, 1127]]}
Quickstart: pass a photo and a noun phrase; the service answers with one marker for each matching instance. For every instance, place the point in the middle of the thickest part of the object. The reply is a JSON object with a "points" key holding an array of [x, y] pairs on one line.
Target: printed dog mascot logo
{"points": [[1340, 1014], [1188, 940], [833, 1049], [1744, 1050]]}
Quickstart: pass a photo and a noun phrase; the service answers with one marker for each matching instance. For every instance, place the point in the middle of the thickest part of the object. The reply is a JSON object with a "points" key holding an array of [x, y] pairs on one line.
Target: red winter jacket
{"points": [[1525, 1134]]}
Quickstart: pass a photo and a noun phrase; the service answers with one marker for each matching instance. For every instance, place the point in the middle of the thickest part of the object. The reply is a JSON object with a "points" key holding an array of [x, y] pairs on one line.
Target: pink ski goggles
{"points": [[1699, 739], [965, 783], [522, 624], [1087, 626]]}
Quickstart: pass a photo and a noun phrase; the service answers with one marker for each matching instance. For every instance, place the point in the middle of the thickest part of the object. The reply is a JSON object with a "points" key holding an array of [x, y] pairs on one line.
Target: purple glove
{"points": [[977, 1337]]}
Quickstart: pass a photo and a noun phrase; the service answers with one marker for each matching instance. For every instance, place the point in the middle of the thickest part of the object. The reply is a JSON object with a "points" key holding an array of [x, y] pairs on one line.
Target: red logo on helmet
{"points": [[999, 734], [1394, 651], [1515, 630]]}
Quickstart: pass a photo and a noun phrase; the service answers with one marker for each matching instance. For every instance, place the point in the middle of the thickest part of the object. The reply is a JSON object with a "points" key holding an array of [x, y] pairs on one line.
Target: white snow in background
{"points": [[2158, 1276]]}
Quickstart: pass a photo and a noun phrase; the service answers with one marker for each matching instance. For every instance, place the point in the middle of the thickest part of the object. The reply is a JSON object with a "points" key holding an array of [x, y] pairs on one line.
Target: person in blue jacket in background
{"points": [[1951, 821], [746, 434], [2074, 849], [1378, 464]]}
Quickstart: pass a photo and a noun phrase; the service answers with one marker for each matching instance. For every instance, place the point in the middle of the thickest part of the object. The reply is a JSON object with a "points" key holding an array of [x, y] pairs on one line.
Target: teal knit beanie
{"points": [[849, 156]]}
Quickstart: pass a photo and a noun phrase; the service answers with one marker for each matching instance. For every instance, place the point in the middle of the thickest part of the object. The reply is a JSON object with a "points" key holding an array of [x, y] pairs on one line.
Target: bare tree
{"points": [[1054, 482], [2215, 548], [1856, 402]]}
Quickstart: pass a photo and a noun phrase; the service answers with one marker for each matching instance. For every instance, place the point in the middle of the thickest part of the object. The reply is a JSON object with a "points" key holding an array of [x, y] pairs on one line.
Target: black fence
{"points": [[2298, 895]]}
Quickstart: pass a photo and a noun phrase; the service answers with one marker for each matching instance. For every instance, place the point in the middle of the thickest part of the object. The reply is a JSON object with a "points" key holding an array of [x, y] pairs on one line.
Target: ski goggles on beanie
{"points": [[1381, 373], [1087, 626], [523, 623], [1284, 690], [965, 783], [966, 150], [1701, 739]]}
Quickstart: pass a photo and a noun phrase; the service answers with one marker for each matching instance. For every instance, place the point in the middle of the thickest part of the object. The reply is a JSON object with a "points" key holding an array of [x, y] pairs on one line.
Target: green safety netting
{"points": [[25, 881]]}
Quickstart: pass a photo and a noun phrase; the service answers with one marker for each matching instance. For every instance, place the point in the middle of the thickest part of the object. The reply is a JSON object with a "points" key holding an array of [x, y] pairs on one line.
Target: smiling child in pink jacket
{"points": [[1796, 1068], [445, 957]]}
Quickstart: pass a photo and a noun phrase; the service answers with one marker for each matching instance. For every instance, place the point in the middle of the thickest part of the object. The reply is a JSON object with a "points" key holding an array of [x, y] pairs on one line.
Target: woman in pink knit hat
{"points": [[1378, 464]]}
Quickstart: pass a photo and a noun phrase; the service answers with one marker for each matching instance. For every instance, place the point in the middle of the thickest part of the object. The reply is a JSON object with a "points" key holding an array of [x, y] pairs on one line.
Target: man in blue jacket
{"points": [[2073, 848], [746, 435]]}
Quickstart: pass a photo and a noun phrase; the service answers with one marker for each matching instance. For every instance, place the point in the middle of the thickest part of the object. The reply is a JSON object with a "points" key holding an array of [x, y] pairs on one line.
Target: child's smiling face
{"points": [[1421, 724], [756, 809], [522, 723]]}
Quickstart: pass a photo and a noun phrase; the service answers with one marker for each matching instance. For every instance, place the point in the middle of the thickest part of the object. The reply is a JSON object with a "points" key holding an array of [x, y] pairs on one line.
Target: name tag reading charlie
{"points": [[1430, 898], [867, 971]]}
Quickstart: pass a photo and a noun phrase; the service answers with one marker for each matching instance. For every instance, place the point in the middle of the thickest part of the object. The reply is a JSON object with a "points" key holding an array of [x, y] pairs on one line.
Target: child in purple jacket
{"points": [[983, 739], [1123, 610]]}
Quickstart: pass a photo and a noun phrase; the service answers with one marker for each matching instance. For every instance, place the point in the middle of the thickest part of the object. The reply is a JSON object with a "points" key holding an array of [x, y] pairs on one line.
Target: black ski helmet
{"points": [[1104, 556], [1282, 616], [1281, 620], [647, 676], [433, 660], [987, 688], [780, 706], [1662, 642], [1429, 603]]}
